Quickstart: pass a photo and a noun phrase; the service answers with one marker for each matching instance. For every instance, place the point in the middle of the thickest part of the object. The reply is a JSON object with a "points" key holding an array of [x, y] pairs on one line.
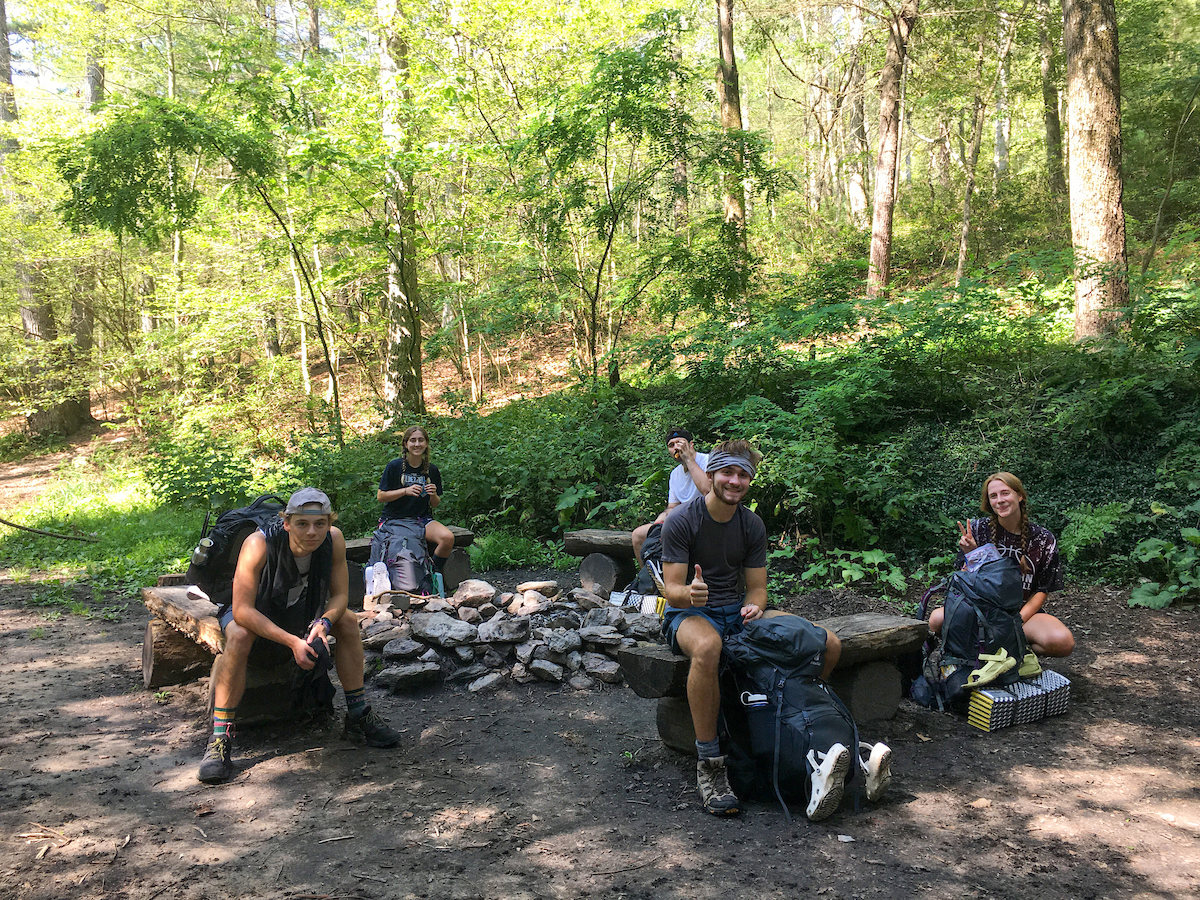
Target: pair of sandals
{"points": [[996, 664]]}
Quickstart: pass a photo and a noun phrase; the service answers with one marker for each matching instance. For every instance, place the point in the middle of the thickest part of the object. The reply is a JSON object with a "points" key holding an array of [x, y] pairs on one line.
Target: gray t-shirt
{"points": [[721, 549]]}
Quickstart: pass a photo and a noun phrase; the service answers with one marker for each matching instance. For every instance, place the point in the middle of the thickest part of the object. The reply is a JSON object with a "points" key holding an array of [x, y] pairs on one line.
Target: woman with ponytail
{"points": [[1035, 548]]}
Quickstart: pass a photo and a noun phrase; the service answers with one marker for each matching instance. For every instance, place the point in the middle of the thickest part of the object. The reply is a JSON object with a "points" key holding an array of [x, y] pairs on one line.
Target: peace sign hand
{"points": [[966, 540]]}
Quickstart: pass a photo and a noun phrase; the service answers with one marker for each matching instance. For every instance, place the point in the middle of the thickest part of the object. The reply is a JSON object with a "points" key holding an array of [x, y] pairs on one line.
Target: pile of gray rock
{"points": [[480, 638]]}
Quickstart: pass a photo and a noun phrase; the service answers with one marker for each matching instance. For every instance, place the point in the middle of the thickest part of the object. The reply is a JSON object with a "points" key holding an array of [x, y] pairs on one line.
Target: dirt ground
{"points": [[536, 792]]}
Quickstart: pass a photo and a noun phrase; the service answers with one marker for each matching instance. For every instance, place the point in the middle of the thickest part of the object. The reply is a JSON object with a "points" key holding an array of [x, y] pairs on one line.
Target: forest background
{"points": [[898, 246]]}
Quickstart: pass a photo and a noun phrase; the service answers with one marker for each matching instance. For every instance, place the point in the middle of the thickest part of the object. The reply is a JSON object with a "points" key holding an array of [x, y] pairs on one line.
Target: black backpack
{"points": [[775, 708], [982, 615], [643, 583], [215, 558]]}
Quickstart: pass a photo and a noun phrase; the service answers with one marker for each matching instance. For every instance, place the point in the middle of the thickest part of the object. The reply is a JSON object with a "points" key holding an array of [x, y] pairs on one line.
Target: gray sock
{"points": [[708, 749]]}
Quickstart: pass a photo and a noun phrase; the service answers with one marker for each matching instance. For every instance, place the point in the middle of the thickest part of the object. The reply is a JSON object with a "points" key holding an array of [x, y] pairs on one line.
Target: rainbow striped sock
{"points": [[223, 721]]}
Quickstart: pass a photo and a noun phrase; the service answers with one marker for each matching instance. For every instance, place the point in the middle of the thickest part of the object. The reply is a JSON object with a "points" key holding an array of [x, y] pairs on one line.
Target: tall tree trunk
{"points": [[1096, 186], [1004, 29], [964, 233], [1053, 126], [402, 385], [314, 27], [859, 150], [679, 168], [900, 26], [730, 99]]}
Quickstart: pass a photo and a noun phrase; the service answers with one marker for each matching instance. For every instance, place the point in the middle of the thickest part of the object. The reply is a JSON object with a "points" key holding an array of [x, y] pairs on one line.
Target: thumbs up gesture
{"points": [[698, 590]]}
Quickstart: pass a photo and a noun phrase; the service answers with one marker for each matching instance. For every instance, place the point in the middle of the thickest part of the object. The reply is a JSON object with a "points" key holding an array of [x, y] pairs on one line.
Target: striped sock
{"points": [[356, 702], [223, 721]]}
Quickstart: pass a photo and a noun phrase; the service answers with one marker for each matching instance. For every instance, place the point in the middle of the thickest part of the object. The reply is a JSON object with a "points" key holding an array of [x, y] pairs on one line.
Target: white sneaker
{"points": [[877, 768], [828, 781]]}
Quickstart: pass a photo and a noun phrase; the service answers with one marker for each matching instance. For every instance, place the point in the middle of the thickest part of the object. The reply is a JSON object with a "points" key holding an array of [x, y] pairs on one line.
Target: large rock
{"points": [[401, 679], [605, 615], [547, 588], [470, 615], [546, 670], [488, 682], [402, 649], [587, 599], [473, 592], [377, 635], [562, 641], [601, 636], [642, 627], [602, 668], [504, 630], [529, 603], [440, 629]]}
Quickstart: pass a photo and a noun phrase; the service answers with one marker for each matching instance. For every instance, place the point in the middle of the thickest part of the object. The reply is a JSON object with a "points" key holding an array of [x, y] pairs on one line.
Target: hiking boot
{"points": [[1030, 667], [828, 781], [877, 768], [216, 767], [371, 729], [715, 792], [994, 665]]}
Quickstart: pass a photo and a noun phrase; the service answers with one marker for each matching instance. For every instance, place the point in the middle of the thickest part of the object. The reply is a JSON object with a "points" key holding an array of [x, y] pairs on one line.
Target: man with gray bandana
{"points": [[708, 544]]}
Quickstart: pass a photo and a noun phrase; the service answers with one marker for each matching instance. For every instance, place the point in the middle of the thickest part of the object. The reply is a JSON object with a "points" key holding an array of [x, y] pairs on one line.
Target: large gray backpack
{"points": [[400, 545]]}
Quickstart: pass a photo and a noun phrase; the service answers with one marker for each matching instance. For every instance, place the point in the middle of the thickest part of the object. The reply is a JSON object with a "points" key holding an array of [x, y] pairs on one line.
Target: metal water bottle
{"points": [[200, 554]]}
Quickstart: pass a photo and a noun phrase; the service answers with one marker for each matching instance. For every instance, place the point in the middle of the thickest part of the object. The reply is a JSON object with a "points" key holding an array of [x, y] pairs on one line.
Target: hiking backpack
{"points": [[400, 545], [644, 582], [775, 708], [982, 615], [215, 558]]}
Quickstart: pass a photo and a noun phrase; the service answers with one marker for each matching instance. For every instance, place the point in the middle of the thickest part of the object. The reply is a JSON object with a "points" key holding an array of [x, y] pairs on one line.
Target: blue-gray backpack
{"points": [[775, 708], [982, 615], [400, 545]]}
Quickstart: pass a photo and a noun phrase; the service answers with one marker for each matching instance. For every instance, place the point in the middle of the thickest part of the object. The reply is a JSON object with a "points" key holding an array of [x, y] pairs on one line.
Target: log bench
{"points": [[866, 678], [607, 562], [184, 642], [457, 570]]}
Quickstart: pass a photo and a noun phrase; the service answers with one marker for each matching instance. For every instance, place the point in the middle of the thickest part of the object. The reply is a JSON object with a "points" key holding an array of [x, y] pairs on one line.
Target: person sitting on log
{"points": [[707, 544], [411, 488], [688, 481], [291, 587]]}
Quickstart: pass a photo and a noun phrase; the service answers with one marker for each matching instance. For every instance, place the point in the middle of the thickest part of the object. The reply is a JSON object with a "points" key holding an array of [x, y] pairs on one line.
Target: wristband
{"points": [[328, 625]]}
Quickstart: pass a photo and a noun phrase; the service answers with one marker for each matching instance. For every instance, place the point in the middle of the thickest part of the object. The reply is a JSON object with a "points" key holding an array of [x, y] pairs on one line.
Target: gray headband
{"points": [[719, 460]]}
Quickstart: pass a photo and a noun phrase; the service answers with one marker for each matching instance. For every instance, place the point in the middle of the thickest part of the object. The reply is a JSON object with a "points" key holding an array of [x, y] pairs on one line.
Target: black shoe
{"points": [[216, 767], [371, 728]]}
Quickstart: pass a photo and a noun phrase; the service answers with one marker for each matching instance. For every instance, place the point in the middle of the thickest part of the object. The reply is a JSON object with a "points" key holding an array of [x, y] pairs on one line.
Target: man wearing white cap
{"points": [[291, 587]]}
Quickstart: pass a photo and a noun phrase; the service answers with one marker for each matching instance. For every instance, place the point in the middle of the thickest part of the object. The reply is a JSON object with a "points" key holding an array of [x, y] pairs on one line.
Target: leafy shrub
{"points": [[199, 468]]}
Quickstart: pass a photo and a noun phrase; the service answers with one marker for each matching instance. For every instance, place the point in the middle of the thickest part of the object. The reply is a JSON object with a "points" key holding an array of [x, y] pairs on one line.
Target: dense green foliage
{"points": [[201, 249]]}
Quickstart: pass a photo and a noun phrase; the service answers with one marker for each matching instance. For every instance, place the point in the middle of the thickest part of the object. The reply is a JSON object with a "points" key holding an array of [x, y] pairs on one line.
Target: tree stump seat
{"points": [[184, 642], [607, 563], [866, 678], [456, 571]]}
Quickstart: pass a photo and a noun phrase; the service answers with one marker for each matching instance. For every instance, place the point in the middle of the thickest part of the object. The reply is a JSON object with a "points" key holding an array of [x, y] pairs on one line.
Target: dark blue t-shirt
{"points": [[722, 549], [399, 474]]}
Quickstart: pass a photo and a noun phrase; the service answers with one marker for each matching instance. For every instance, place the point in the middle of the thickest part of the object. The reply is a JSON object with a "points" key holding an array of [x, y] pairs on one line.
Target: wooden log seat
{"points": [[194, 621], [866, 677], [608, 562], [457, 570]]}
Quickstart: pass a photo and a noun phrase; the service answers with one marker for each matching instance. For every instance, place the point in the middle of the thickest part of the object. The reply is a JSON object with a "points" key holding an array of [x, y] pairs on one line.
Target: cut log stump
{"points": [[602, 574], [171, 657], [674, 720], [267, 695]]}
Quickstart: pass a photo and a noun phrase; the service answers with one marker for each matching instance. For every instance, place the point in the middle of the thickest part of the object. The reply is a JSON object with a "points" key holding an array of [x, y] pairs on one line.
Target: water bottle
{"points": [[200, 554]]}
